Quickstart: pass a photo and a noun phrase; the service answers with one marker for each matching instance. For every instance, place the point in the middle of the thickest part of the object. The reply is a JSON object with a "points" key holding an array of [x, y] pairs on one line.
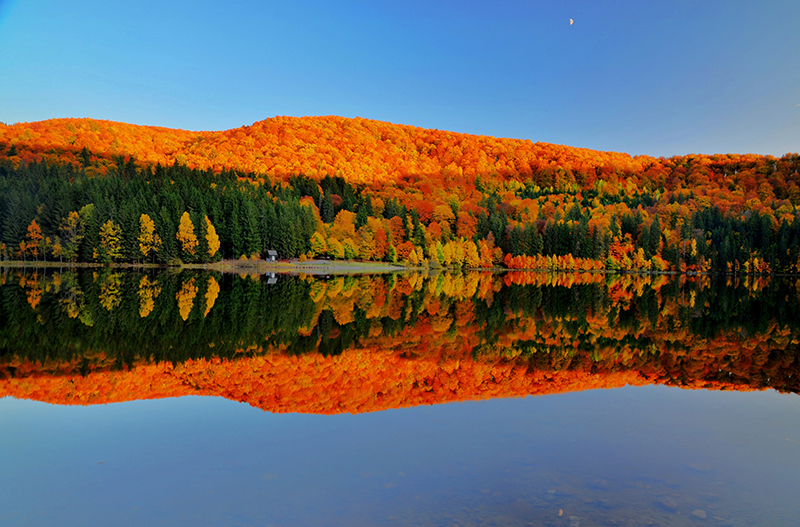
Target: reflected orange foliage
{"points": [[442, 357], [362, 380]]}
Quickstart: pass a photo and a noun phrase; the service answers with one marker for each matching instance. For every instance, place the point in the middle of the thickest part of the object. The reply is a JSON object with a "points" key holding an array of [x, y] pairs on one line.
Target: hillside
{"points": [[355, 188], [360, 150]]}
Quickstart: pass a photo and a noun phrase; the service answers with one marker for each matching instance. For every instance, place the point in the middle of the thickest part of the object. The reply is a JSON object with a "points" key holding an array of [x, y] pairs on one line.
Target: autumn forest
{"points": [[81, 190]]}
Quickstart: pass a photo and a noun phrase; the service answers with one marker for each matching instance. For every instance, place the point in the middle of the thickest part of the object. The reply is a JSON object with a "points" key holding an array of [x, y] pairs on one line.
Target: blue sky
{"points": [[644, 77]]}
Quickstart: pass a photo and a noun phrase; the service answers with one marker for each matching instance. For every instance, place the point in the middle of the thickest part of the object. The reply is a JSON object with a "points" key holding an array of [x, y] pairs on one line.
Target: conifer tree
{"points": [[654, 238], [252, 234], [170, 250], [90, 231], [327, 211]]}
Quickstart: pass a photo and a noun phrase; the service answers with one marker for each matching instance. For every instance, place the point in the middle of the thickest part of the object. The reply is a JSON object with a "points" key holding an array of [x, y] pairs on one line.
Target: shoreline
{"points": [[344, 267], [312, 267], [317, 267]]}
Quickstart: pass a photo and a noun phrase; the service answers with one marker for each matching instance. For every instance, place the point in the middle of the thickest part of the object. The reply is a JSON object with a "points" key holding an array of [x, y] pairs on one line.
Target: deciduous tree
{"points": [[185, 234], [149, 240], [211, 238], [110, 243]]}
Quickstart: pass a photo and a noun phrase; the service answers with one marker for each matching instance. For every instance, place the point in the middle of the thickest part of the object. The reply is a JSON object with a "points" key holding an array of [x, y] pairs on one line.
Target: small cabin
{"points": [[272, 255]]}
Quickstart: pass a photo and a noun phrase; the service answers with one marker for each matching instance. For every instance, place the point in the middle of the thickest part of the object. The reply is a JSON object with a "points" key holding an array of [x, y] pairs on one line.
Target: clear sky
{"points": [[641, 76]]}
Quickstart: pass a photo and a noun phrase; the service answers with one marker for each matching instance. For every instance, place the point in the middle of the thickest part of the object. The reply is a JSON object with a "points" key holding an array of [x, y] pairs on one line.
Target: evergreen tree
{"points": [[165, 225], [362, 214], [91, 233], [327, 211], [654, 238]]}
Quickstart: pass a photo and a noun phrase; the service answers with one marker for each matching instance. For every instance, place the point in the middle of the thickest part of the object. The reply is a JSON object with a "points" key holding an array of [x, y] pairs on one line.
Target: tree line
{"points": [[167, 215], [171, 214]]}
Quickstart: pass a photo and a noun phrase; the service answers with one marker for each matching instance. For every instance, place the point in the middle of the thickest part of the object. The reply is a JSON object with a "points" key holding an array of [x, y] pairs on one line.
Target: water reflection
{"points": [[356, 344]]}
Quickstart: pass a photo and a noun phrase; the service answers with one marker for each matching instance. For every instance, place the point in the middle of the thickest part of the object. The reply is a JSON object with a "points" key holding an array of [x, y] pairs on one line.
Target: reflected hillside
{"points": [[367, 343]]}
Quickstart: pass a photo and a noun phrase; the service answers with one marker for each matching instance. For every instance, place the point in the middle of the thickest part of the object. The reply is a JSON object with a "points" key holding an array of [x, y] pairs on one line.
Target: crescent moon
{"points": [[571, 21]]}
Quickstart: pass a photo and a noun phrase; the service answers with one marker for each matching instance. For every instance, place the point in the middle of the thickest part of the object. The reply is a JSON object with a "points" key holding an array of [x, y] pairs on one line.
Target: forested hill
{"points": [[360, 150], [87, 190]]}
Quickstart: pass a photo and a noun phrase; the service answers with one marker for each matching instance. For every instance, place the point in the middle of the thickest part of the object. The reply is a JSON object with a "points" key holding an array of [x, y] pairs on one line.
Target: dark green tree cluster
{"points": [[248, 219], [729, 239], [80, 317]]}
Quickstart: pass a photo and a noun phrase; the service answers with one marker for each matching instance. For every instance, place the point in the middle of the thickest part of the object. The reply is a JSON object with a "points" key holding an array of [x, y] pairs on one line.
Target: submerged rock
{"points": [[667, 503]]}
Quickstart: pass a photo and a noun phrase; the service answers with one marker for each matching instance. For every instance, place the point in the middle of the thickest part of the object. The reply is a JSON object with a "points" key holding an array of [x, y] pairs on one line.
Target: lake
{"points": [[196, 398]]}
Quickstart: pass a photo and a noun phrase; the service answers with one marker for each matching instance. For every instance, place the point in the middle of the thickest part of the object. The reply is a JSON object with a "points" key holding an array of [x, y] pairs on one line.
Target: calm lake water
{"points": [[207, 399]]}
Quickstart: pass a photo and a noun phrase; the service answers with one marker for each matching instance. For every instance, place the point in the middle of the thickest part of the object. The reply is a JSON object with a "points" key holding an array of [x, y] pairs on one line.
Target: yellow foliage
{"points": [[185, 298], [111, 241], [211, 294], [148, 292], [185, 234], [110, 291], [212, 238], [149, 240]]}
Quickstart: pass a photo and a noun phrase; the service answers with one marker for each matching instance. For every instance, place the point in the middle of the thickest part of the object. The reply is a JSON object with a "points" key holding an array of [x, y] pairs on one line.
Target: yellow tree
{"points": [[149, 240], [413, 257], [344, 225], [444, 213], [366, 243], [211, 238], [185, 234], [110, 242], [350, 248], [72, 234], [472, 258], [318, 245], [335, 249], [433, 256]]}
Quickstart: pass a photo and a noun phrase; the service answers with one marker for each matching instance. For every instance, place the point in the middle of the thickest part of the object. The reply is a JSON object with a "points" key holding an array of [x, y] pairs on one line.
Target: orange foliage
{"points": [[444, 176], [361, 150]]}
